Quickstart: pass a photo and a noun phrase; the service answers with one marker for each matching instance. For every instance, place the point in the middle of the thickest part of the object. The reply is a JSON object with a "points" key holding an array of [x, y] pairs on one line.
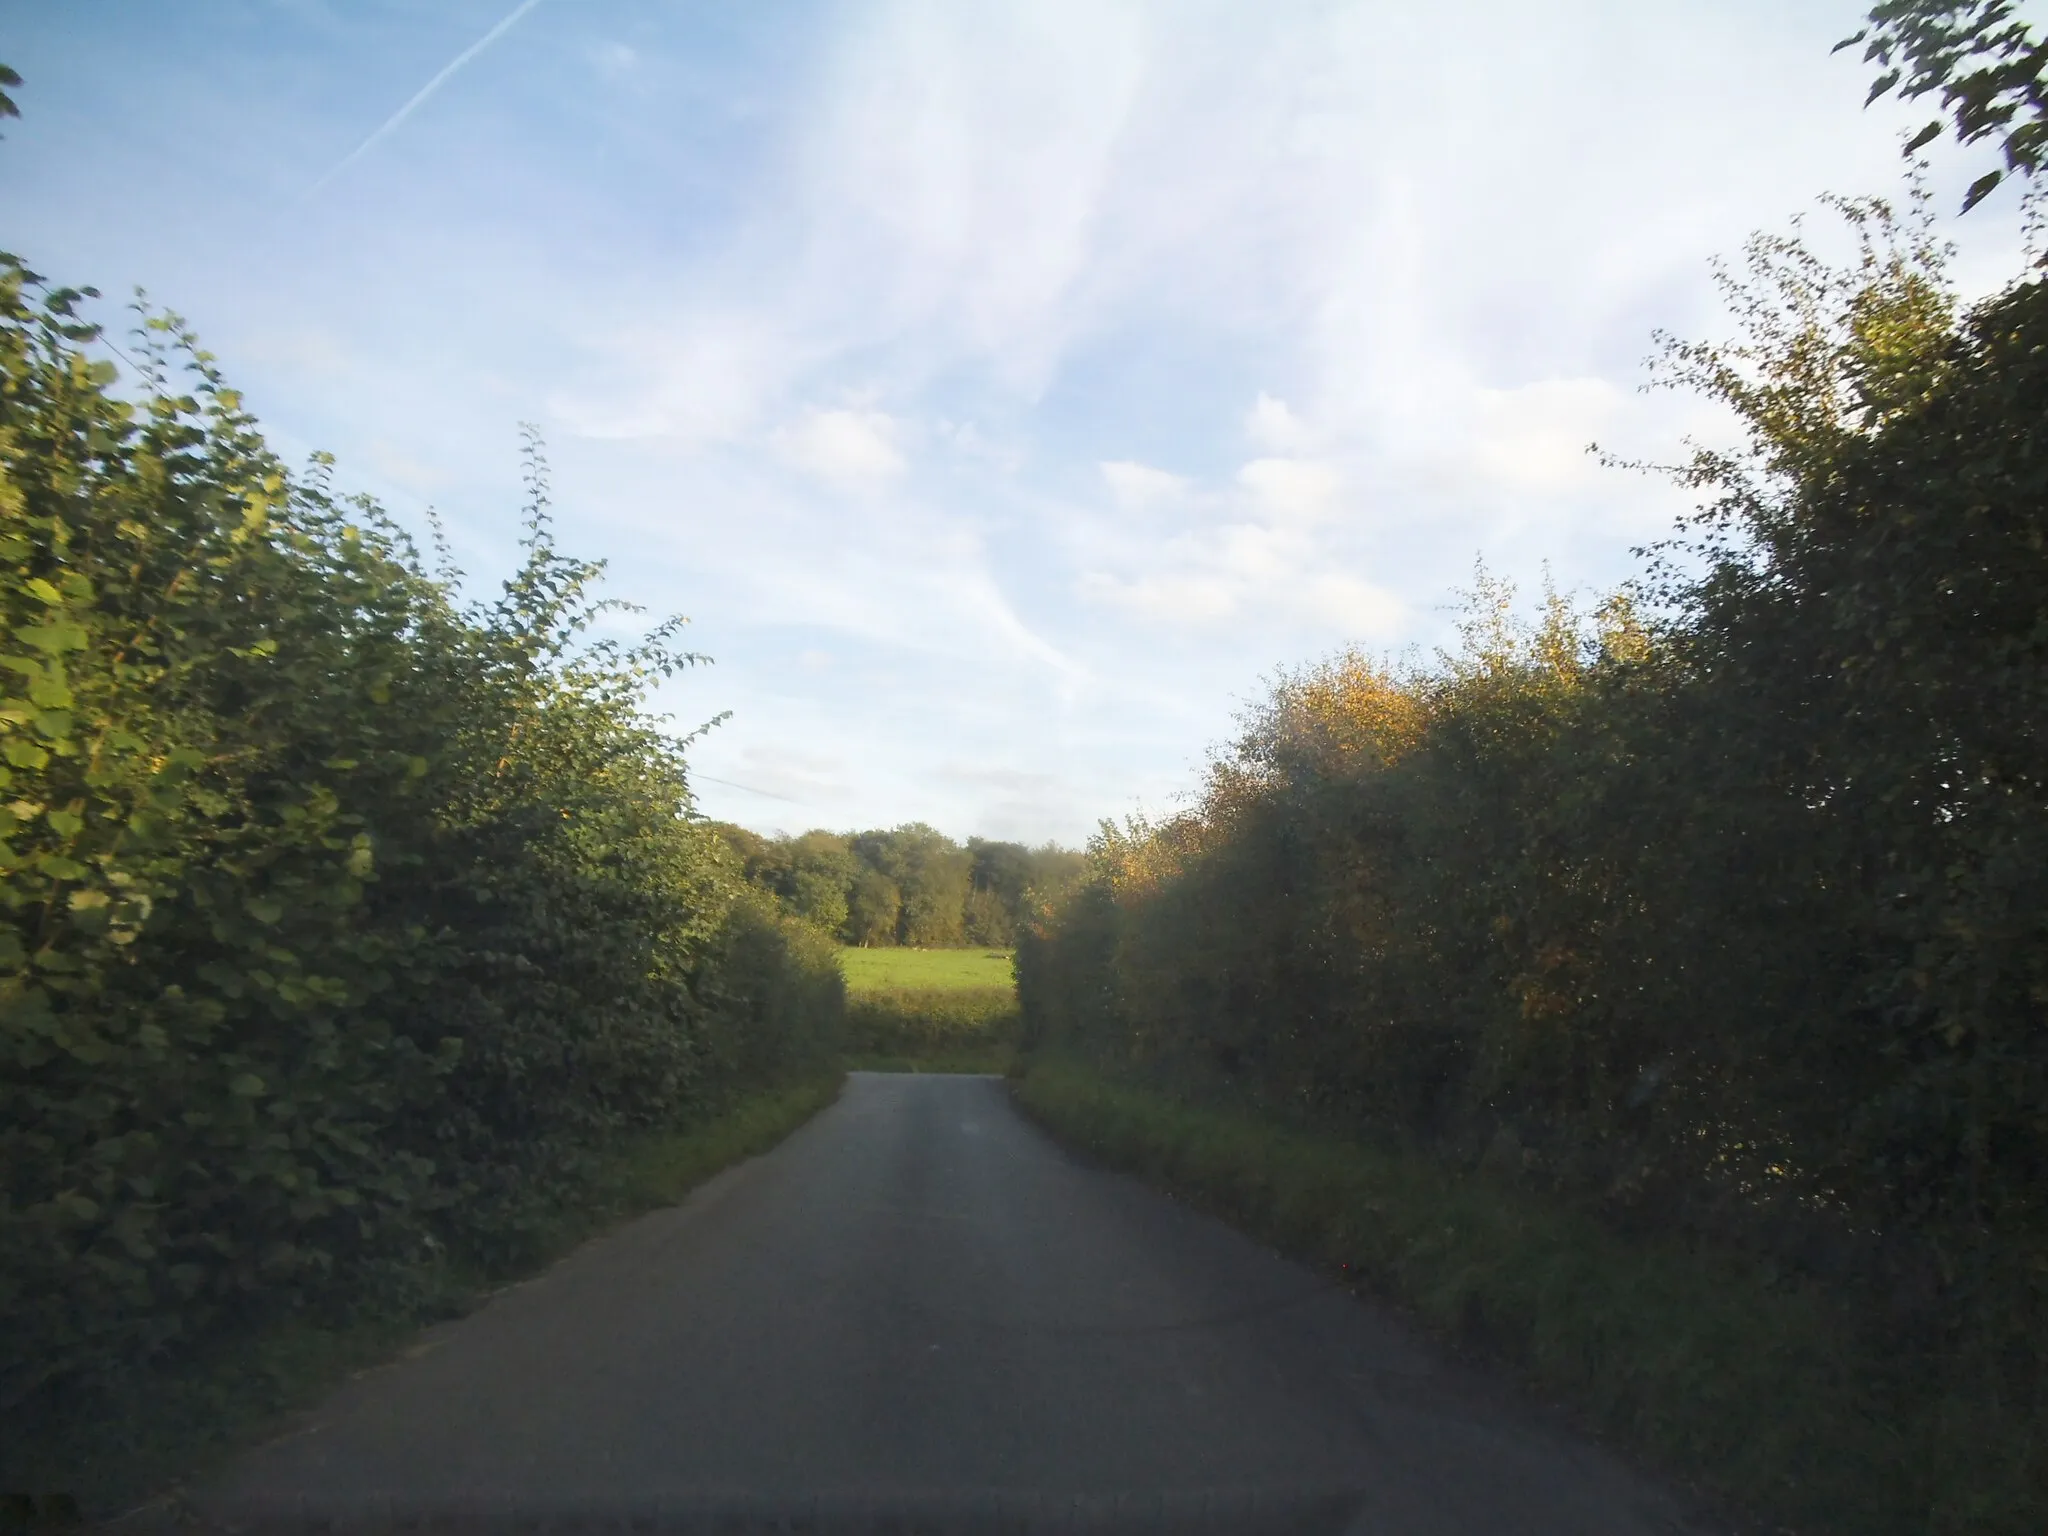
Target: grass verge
{"points": [[928, 1026], [1766, 1395], [155, 1431]]}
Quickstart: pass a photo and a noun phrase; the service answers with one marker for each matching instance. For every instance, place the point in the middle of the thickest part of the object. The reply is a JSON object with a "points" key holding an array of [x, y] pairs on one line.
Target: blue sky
{"points": [[1004, 390]]}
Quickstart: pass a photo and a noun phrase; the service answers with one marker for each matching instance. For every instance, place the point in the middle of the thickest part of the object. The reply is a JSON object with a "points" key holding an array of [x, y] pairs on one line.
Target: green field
{"points": [[926, 970]]}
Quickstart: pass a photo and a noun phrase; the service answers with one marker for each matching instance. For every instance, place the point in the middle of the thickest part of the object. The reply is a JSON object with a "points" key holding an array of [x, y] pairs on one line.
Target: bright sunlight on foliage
{"points": [[1721, 911], [342, 922]]}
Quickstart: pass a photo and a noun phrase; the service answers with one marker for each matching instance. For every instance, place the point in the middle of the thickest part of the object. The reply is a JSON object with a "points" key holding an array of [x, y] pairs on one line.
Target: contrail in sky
{"points": [[424, 92]]}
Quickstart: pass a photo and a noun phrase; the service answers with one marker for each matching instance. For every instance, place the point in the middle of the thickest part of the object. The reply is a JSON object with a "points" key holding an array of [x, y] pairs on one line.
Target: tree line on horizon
{"points": [[910, 886]]}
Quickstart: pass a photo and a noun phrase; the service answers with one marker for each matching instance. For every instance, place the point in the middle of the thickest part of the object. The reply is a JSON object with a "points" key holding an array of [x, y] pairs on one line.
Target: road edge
{"points": [[167, 1429]]}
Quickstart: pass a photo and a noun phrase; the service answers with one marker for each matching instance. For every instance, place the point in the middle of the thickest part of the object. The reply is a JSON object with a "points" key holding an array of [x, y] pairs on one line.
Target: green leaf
{"points": [[178, 764], [53, 639], [246, 1085], [49, 691], [265, 909]]}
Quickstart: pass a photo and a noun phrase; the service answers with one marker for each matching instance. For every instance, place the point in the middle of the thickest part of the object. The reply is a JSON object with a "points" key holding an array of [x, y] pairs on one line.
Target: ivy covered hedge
{"points": [[340, 922]]}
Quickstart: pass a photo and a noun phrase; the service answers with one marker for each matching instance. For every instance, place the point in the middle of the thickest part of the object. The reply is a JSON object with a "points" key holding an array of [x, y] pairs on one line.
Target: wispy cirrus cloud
{"points": [[1004, 389]]}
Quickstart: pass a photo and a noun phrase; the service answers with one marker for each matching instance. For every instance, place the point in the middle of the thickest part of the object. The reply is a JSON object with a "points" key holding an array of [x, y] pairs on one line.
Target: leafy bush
{"points": [[338, 921], [1723, 913]]}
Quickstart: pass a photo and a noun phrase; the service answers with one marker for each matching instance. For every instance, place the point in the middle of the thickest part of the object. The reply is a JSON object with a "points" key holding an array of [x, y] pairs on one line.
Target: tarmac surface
{"points": [[920, 1313]]}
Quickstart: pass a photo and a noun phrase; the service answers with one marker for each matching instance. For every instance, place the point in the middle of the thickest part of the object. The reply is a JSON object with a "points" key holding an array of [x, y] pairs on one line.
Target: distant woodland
{"points": [[910, 885]]}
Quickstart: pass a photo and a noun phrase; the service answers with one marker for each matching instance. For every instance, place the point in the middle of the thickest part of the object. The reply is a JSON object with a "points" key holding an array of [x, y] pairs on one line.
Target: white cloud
{"points": [[695, 378], [1295, 490], [1271, 424], [1271, 556], [1354, 608], [952, 176], [1534, 438], [1140, 485], [845, 448], [1251, 578], [1183, 598], [971, 442]]}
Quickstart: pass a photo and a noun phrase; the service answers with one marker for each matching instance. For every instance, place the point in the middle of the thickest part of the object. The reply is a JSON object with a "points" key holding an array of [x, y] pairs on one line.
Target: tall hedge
{"points": [[1724, 908], [339, 921]]}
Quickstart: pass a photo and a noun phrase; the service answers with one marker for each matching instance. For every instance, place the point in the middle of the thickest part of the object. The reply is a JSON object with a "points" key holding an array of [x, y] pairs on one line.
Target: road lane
{"points": [[920, 1296]]}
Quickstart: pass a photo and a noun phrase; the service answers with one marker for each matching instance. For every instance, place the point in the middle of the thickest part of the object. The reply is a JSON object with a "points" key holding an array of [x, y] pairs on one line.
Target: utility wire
{"points": [[735, 784]]}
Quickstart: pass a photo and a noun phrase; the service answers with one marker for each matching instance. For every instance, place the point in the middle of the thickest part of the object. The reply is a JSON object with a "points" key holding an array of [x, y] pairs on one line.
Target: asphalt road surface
{"points": [[920, 1313]]}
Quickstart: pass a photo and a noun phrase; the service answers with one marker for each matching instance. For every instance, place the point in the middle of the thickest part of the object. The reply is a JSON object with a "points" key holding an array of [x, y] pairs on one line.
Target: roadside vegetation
{"points": [[1698, 932], [1701, 1357], [353, 934], [153, 1438]]}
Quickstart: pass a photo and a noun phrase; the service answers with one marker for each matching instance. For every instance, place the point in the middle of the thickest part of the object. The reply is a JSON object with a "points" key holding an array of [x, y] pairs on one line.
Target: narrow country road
{"points": [[920, 1307]]}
